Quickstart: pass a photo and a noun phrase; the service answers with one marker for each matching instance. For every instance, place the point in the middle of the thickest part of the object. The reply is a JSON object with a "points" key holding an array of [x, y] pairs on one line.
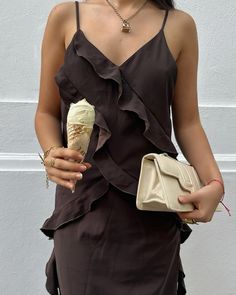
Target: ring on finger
{"points": [[190, 221], [52, 162], [194, 221]]}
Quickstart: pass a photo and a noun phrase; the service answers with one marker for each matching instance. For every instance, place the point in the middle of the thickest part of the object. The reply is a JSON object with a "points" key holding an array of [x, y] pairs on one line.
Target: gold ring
{"points": [[52, 162], [190, 221]]}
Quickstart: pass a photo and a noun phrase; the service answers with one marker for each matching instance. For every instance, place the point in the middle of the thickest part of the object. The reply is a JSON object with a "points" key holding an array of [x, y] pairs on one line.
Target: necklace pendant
{"points": [[126, 28]]}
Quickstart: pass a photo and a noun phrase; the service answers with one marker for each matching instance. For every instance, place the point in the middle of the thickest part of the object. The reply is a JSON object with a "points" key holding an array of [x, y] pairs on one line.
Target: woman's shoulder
{"points": [[66, 9], [61, 18], [61, 11], [182, 26], [182, 19]]}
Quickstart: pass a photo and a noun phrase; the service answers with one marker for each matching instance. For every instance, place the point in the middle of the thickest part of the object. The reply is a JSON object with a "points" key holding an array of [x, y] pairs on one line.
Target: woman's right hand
{"points": [[66, 166]]}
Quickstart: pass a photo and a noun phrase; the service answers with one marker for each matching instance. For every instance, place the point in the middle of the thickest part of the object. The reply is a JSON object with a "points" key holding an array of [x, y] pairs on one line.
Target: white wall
{"points": [[209, 255]]}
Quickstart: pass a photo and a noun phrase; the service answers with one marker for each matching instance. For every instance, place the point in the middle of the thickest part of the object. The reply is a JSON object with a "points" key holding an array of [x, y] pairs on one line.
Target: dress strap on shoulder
{"points": [[77, 14], [165, 18]]}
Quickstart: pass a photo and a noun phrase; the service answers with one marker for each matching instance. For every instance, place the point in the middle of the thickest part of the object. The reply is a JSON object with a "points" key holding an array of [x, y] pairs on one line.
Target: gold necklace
{"points": [[126, 27]]}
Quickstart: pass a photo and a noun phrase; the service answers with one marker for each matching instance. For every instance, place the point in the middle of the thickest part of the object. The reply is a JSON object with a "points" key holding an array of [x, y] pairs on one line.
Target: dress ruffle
{"points": [[51, 274], [75, 207], [86, 62], [108, 168], [131, 101]]}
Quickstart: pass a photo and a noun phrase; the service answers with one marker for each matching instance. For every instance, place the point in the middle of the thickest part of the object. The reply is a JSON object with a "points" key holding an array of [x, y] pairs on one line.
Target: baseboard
{"points": [[32, 162]]}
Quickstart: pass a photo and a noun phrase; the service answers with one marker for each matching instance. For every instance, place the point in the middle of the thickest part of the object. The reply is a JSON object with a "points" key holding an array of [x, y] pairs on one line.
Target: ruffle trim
{"points": [[130, 100], [74, 209], [106, 165], [68, 92], [52, 284], [126, 98]]}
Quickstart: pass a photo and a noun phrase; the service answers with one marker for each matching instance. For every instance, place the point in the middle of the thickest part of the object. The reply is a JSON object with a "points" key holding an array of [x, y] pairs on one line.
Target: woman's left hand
{"points": [[205, 200]]}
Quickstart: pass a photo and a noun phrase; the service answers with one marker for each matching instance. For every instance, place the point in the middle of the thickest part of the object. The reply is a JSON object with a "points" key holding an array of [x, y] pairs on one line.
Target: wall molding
{"points": [[31, 162], [226, 162], [20, 162], [20, 101]]}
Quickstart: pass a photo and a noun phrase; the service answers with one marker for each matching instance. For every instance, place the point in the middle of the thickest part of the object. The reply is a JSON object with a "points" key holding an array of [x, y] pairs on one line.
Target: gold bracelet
{"points": [[48, 151], [47, 179], [45, 154]]}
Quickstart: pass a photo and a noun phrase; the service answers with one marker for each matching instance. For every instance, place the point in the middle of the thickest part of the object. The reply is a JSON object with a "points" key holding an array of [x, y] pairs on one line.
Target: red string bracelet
{"points": [[219, 181], [221, 201]]}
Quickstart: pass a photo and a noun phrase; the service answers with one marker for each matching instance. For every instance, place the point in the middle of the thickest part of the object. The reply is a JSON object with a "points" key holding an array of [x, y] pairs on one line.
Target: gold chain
{"points": [[126, 27]]}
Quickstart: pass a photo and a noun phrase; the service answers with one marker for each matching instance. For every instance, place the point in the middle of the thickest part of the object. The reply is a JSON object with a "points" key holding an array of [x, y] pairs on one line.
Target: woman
{"points": [[132, 60]]}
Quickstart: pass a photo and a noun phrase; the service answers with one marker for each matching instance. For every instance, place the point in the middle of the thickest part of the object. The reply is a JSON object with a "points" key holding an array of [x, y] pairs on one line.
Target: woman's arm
{"points": [[47, 117], [189, 132], [48, 114]]}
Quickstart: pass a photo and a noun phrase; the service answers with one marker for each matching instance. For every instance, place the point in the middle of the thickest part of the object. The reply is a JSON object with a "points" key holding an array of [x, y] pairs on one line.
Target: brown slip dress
{"points": [[103, 244]]}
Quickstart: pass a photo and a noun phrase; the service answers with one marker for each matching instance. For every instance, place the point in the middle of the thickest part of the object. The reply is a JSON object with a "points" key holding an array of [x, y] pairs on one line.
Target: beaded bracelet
{"points": [[222, 184]]}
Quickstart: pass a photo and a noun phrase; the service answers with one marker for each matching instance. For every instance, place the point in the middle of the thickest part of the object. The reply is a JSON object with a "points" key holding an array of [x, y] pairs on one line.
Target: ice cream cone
{"points": [[80, 120]]}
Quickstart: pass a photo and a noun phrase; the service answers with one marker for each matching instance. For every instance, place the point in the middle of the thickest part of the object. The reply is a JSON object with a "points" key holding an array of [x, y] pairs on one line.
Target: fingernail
{"points": [[181, 198], [83, 168], [79, 175], [72, 188]]}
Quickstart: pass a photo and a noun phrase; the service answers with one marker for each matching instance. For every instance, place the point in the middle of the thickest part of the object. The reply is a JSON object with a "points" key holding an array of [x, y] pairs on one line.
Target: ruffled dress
{"points": [[102, 243]]}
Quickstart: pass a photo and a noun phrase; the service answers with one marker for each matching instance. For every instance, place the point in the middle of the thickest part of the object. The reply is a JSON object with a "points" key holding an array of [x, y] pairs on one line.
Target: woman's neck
{"points": [[122, 3]]}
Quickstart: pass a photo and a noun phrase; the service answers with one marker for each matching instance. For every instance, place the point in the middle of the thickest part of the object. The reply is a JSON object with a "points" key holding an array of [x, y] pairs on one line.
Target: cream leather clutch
{"points": [[162, 179]]}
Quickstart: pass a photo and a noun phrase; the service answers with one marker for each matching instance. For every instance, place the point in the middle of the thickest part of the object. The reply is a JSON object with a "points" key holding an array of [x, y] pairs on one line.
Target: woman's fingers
{"points": [[62, 182], [64, 174], [88, 165], [66, 153], [196, 214], [204, 201], [67, 165], [189, 198], [63, 165], [192, 198], [64, 178]]}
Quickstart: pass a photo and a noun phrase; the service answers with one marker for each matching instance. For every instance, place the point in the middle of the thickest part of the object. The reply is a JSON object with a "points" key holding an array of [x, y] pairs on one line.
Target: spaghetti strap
{"points": [[77, 14], [165, 18]]}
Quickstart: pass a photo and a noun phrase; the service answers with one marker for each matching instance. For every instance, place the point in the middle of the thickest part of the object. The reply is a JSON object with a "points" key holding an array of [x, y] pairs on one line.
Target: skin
{"points": [[181, 36]]}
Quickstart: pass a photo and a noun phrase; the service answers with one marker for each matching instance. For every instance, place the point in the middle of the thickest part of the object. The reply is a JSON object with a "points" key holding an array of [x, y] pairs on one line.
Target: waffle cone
{"points": [[80, 120], [78, 136]]}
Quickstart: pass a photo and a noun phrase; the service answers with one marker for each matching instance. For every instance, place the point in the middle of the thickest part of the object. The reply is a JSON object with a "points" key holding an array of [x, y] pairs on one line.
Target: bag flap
{"points": [[172, 167]]}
